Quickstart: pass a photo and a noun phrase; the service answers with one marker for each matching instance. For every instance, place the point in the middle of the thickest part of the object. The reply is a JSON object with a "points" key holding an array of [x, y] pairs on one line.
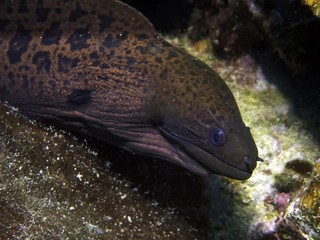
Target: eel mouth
{"points": [[214, 164], [197, 159]]}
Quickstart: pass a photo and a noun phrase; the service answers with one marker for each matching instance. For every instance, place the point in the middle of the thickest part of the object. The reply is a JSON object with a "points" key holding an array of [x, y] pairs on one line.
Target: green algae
{"points": [[309, 203], [288, 181]]}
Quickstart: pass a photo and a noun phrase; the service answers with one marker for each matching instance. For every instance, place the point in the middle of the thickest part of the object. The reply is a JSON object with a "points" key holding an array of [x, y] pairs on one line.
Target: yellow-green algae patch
{"points": [[310, 199], [314, 6], [281, 137]]}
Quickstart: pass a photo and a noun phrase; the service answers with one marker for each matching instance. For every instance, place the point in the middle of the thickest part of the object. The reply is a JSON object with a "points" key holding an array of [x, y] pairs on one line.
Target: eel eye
{"points": [[218, 137]]}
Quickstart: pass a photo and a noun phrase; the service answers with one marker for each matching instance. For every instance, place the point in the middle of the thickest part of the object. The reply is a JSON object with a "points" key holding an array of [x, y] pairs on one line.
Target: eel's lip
{"points": [[240, 175], [212, 164], [226, 169]]}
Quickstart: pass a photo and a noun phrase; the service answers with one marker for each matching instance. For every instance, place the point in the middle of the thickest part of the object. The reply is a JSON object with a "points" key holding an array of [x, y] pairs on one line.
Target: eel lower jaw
{"points": [[227, 170], [200, 161]]}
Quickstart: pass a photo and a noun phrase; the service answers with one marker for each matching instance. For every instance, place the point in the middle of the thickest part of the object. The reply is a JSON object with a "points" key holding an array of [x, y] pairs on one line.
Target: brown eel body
{"points": [[100, 69]]}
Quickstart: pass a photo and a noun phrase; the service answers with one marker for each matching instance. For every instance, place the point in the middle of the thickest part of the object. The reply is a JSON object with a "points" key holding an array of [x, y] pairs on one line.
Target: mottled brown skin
{"points": [[102, 70]]}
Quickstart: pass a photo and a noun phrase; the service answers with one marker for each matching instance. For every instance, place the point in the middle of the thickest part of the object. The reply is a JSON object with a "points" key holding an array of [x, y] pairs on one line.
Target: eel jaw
{"points": [[209, 164], [198, 160]]}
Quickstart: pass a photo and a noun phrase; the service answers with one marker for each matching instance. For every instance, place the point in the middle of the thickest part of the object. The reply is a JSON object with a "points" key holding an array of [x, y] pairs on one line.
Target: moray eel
{"points": [[101, 69]]}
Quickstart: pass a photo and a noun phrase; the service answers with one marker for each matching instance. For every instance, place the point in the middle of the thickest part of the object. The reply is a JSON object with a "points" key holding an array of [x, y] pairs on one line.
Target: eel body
{"points": [[99, 68]]}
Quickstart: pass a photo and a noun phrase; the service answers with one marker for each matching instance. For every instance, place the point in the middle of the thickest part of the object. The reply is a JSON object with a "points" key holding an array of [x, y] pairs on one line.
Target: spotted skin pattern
{"points": [[102, 70]]}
